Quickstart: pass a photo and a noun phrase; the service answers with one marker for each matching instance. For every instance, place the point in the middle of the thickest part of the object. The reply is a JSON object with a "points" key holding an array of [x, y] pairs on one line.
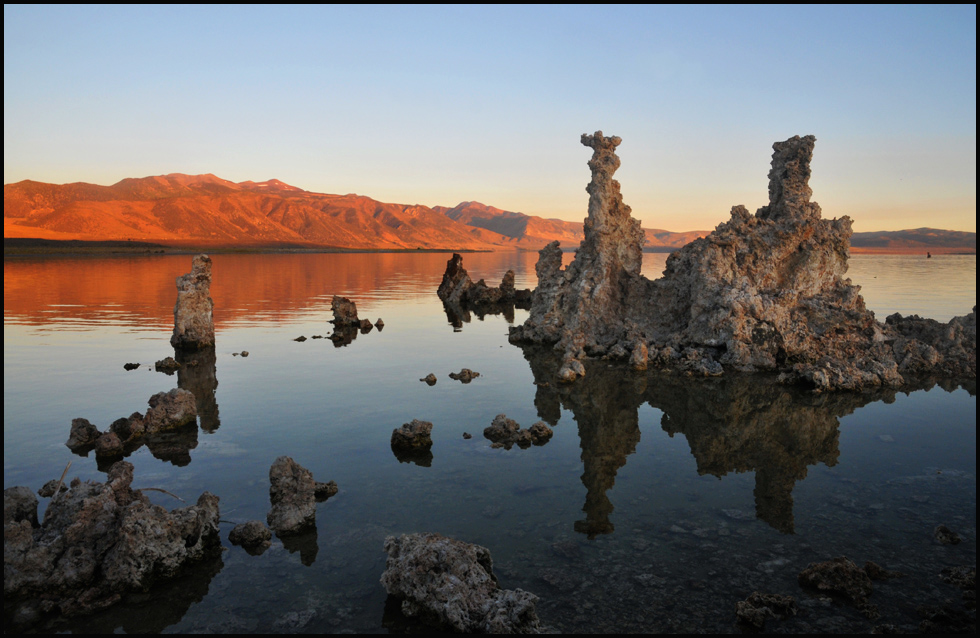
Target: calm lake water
{"points": [[660, 501]]}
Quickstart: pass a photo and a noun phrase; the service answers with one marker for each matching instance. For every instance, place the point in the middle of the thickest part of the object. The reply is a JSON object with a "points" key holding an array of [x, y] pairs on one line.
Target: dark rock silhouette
{"points": [[460, 295], [762, 292]]}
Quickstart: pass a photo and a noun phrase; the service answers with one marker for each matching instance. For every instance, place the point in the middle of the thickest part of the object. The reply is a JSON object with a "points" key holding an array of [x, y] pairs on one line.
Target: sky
{"points": [[439, 105]]}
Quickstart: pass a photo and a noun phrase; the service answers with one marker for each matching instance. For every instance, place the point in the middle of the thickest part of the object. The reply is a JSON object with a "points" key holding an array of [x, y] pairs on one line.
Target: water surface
{"points": [[659, 503]]}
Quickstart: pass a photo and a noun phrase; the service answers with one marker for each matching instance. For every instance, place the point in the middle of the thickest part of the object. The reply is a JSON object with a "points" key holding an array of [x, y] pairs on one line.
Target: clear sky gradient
{"points": [[437, 105]]}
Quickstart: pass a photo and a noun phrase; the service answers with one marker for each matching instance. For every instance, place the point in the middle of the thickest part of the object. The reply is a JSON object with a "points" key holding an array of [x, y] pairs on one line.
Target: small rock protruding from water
{"points": [[505, 433], [429, 379], [344, 313], [167, 365], [254, 537], [464, 376]]}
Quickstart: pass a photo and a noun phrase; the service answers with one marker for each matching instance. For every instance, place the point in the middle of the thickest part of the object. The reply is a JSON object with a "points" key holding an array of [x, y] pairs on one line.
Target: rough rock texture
{"points": [[254, 536], [292, 491], [429, 379], [169, 412], [506, 433], [762, 292], [838, 576], [193, 313], [99, 541], [755, 609], [458, 289], [344, 313], [412, 443], [412, 436], [450, 584]]}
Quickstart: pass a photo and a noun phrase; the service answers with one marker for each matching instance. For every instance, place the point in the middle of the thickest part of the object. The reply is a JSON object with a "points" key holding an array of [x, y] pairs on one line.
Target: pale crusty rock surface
{"points": [[194, 311], [97, 542], [292, 491], [763, 292], [450, 584]]}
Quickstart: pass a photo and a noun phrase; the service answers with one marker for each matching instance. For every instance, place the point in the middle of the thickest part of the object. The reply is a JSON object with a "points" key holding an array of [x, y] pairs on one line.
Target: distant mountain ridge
{"points": [[206, 210]]}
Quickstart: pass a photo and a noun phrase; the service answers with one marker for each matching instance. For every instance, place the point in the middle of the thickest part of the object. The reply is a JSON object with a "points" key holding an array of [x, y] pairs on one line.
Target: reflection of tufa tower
{"points": [[738, 423]]}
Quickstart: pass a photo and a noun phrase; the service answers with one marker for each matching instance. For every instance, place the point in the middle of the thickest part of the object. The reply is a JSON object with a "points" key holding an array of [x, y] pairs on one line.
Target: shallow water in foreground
{"points": [[659, 503]]}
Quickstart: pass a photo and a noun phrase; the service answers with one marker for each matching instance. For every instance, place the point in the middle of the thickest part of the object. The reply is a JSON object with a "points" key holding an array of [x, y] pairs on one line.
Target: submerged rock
{"points": [[838, 576], [97, 542], [292, 491], [193, 313], [762, 292], [449, 584], [755, 609]]}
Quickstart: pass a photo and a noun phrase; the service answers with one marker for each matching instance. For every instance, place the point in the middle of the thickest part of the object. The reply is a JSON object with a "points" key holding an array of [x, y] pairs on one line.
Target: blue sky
{"points": [[436, 105]]}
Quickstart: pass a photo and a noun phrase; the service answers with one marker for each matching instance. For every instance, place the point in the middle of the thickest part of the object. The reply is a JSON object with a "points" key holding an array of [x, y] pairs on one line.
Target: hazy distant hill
{"points": [[205, 210], [924, 238], [208, 210]]}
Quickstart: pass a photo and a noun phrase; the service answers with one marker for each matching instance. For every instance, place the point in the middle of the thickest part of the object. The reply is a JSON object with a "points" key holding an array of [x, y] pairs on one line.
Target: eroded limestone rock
{"points": [[97, 542], [506, 433], [193, 313], [762, 292], [412, 443], [450, 584], [253, 536], [459, 290], [169, 412], [292, 491], [344, 313]]}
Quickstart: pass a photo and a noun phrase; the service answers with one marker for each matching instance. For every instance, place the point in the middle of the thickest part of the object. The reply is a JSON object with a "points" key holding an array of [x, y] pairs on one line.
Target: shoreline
{"points": [[35, 247]]}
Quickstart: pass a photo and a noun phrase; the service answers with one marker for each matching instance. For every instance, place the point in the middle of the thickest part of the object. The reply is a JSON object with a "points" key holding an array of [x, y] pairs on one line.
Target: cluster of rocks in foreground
{"points": [[97, 542], [762, 292]]}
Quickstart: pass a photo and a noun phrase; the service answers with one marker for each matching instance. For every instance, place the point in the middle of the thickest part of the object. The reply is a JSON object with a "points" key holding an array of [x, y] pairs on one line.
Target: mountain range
{"points": [[207, 211]]}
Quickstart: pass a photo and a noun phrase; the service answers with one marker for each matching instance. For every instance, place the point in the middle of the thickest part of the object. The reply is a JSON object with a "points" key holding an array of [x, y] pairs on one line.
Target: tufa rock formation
{"points": [[292, 491], [193, 313], [412, 443], [169, 415], [762, 292], [459, 290], [505, 433], [98, 541], [449, 584]]}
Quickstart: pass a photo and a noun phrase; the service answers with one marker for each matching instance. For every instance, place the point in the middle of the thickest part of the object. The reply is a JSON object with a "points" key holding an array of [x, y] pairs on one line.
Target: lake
{"points": [[660, 501]]}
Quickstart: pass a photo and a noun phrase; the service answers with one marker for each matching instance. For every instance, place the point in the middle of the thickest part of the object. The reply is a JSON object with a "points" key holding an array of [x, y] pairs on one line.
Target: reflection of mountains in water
{"points": [[734, 423]]}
